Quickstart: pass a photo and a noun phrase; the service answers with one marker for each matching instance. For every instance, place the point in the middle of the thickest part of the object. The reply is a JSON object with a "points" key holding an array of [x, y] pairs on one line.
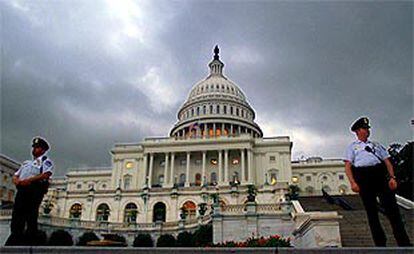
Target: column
{"points": [[164, 184], [145, 162], [205, 130], [150, 170], [249, 166], [222, 129], [214, 130], [231, 130], [239, 130], [203, 172], [226, 166], [187, 172], [243, 168], [220, 167], [172, 169]]}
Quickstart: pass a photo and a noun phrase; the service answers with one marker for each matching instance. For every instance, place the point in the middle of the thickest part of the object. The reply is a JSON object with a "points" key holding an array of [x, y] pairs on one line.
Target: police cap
{"points": [[362, 122], [40, 142]]}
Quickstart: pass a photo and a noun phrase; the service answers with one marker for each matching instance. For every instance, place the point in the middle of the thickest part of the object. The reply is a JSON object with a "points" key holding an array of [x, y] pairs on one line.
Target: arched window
{"points": [[213, 178], [182, 180], [211, 109], [204, 109], [75, 211], [103, 212], [198, 111], [224, 109], [127, 182], [198, 179], [218, 109], [159, 212], [190, 209], [130, 213]]}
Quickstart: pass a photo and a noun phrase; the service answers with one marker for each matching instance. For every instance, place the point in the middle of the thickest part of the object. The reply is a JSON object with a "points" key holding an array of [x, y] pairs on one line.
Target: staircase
{"points": [[354, 227]]}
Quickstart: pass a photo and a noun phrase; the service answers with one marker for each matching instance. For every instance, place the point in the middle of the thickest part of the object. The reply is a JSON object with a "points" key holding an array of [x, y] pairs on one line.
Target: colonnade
{"points": [[222, 167], [209, 130]]}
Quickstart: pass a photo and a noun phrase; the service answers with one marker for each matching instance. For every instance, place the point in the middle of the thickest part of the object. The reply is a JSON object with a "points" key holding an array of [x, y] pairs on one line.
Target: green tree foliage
{"points": [[60, 238], [143, 240], [402, 159], [293, 192], [185, 239], [203, 236], [166, 240], [87, 237]]}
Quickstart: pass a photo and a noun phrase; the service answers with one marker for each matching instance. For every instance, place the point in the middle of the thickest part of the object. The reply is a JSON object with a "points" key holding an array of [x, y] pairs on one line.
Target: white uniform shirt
{"points": [[33, 168], [359, 157]]}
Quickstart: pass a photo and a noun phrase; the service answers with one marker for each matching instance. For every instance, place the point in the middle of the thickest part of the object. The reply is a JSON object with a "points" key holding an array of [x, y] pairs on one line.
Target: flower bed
{"points": [[271, 241]]}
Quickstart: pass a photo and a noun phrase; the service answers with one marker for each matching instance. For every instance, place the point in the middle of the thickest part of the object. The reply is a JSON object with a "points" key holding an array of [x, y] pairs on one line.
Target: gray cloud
{"points": [[89, 74]]}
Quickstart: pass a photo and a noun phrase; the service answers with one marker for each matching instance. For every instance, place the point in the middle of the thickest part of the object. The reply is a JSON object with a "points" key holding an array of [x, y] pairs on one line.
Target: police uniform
{"points": [[28, 198], [371, 175]]}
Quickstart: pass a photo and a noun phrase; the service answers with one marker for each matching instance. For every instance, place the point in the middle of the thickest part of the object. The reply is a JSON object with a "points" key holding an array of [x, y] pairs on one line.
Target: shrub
{"points": [[203, 236], [143, 240], [87, 237], [185, 239], [41, 238], [60, 238], [271, 241], [166, 240]]}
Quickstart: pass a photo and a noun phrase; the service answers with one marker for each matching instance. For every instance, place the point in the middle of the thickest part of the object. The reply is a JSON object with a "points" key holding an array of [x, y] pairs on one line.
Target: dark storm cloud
{"points": [[89, 74]]}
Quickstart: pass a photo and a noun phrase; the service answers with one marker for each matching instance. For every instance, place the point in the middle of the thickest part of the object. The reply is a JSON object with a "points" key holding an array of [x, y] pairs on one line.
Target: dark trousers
{"points": [[373, 183], [25, 214]]}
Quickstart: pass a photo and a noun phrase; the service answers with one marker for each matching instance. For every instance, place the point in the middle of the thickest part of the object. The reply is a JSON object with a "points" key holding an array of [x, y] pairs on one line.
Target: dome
{"points": [[215, 106]]}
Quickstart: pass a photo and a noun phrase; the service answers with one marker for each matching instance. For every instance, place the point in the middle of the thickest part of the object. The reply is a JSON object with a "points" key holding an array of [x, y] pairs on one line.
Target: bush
{"points": [[60, 238], [271, 241], [203, 236], [41, 238], [87, 237], [185, 239], [143, 240], [166, 240]]}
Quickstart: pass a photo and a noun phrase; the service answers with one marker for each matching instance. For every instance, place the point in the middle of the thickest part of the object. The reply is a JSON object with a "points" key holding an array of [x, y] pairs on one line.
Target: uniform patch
{"points": [[48, 163]]}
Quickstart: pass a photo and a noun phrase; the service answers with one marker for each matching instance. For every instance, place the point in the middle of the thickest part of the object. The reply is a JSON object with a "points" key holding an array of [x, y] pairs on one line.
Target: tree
{"points": [[166, 240], [293, 192], [402, 160], [143, 240], [203, 236], [185, 239], [87, 237], [60, 238]]}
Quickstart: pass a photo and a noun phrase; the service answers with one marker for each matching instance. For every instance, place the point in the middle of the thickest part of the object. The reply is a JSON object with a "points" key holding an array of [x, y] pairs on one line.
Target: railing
{"points": [[268, 208], [241, 209], [103, 225]]}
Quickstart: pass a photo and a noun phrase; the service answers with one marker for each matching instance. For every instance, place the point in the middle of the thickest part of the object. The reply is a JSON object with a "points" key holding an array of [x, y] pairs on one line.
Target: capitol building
{"points": [[214, 147], [214, 153]]}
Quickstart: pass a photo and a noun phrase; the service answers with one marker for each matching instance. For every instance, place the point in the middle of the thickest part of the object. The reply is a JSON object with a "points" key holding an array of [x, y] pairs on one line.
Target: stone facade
{"points": [[7, 169]]}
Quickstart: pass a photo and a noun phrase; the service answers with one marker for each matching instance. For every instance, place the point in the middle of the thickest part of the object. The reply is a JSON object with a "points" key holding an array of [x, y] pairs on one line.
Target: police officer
{"points": [[31, 181], [371, 174]]}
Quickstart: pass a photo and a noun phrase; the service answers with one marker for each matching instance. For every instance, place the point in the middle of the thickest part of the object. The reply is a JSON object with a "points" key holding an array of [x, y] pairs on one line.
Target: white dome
{"points": [[216, 103]]}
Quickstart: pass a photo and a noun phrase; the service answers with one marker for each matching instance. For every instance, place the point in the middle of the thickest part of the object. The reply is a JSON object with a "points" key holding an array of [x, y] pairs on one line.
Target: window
{"points": [[192, 111], [341, 177], [218, 109], [182, 180], [308, 178], [162, 163], [75, 211], [204, 109], [213, 161], [211, 109], [224, 109], [127, 182], [129, 165], [235, 161], [198, 162], [213, 178], [236, 177], [198, 179], [103, 212], [231, 110], [272, 158], [91, 186], [324, 178], [161, 179], [183, 162], [79, 186], [237, 111], [189, 209], [198, 111], [130, 213]]}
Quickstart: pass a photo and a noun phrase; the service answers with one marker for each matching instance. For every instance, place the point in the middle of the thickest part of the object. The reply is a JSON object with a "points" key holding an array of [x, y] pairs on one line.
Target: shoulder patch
{"points": [[48, 163]]}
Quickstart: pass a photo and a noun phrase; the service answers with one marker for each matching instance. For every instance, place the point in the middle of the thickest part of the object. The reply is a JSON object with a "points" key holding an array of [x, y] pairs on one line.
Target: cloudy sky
{"points": [[88, 74]]}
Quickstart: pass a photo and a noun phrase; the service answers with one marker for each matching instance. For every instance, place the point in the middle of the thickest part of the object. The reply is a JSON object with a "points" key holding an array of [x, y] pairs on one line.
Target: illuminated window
{"points": [[75, 211], [213, 161], [235, 161], [129, 165], [295, 179], [103, 212]]}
